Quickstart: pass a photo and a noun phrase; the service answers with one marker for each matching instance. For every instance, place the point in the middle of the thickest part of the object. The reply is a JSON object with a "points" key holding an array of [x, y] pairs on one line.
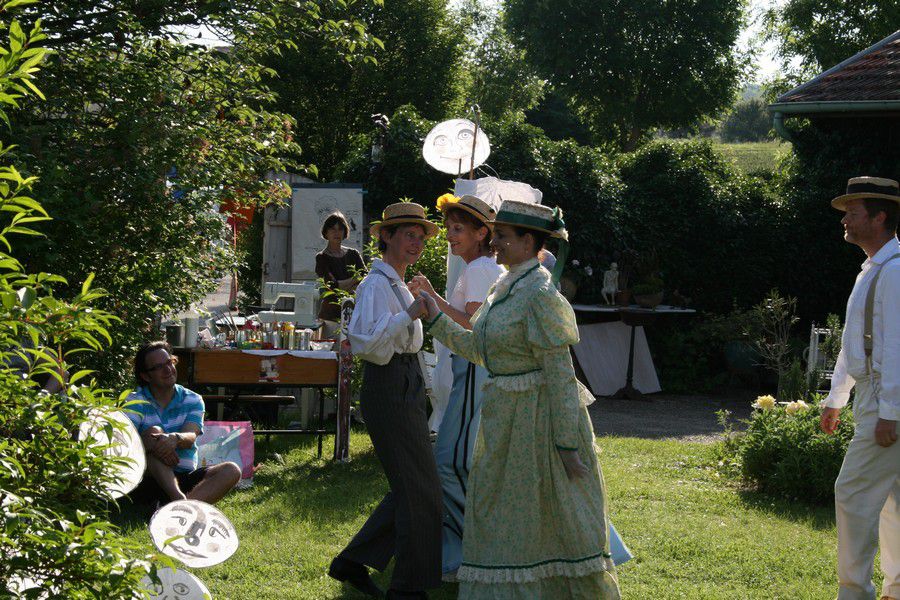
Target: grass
{"points": [[754, 156], [694, 534]]}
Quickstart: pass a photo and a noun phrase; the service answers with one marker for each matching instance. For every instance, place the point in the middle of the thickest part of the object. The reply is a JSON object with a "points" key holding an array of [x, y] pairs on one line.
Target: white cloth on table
{"points": [[472, 286], [851, 361], [380, 326], [602, 353], [318, 354]]}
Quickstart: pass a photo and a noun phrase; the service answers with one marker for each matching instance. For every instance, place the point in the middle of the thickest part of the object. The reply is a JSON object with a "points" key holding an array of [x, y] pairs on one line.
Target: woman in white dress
{"points": [[469, 234]]}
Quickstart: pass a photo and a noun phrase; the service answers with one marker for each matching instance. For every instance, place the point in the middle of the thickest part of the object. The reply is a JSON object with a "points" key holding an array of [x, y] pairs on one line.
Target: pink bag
{"points": [[227, 441]]}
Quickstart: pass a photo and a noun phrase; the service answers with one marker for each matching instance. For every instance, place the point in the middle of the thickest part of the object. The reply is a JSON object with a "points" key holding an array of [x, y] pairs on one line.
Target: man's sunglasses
{"points": [[173, 360]]}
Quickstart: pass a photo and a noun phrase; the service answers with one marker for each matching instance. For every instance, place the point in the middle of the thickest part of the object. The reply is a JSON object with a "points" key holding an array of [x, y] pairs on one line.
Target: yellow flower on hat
{"points": [[446, 199], [766, 402]]}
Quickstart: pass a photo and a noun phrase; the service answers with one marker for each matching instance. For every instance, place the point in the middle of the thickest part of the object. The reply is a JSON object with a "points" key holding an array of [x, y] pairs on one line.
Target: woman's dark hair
{"points": [[333, 219], [464, 216], [140, 359], [540, 237]]}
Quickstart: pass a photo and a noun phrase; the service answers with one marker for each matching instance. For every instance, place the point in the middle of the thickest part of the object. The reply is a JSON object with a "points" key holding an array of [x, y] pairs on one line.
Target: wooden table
{"points": [[633, 316], [239, 370]]}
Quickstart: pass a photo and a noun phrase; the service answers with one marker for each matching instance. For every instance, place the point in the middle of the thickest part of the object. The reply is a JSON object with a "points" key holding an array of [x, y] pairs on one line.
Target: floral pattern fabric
{"points": [[530, 531]]}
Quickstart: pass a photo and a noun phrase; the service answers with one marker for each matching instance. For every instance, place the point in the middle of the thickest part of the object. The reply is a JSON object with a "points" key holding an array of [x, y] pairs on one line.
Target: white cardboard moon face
{"points": [[207, 536], [176, 585], [125, 443], [448, 147]]}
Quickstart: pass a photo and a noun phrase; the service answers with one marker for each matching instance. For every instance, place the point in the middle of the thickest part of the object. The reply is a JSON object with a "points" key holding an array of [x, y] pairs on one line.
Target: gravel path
{"points": [[670, 416]]}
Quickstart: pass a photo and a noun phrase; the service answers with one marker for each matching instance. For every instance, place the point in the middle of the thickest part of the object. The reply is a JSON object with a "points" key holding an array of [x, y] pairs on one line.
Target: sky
{"points": [[766, 64]]}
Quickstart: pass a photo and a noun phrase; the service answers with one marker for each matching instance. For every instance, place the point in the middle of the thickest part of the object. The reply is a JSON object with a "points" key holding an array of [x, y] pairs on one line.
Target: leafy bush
{"points": [[690, 355], [52, 485], [708, 223], [787, 455]]}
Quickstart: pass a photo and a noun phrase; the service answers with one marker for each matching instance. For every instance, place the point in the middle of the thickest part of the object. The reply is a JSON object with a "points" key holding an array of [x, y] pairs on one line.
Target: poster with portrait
{"points": [[311, 203]]}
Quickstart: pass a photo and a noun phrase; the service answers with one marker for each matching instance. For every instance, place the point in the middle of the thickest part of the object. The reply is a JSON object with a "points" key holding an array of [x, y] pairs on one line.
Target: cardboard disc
{"points": [[205, 536], [124, 443], [176, 585], [448, 146]]}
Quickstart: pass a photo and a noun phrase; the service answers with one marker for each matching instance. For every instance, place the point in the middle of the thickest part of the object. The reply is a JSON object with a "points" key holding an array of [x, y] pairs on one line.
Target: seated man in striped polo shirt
{"points": [[169, 420]]}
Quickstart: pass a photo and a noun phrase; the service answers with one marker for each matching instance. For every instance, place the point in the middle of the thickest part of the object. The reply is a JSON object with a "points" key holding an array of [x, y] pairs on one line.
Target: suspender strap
{"points": [[870, 309], [396, 288]]}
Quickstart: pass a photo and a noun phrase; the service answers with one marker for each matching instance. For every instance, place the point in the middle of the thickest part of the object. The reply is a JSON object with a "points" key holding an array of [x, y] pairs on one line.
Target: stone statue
{"points": [[610, 284]]}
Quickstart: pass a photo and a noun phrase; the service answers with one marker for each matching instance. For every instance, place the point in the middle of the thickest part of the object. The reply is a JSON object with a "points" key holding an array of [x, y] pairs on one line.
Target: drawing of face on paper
{"points": [[268, 369], [448, 147], [115, 432], [176, 585], [207, 536]]}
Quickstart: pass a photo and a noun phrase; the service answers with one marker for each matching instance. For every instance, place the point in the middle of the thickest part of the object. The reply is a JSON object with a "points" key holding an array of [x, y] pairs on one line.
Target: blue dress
{"points": [[453, 450]]}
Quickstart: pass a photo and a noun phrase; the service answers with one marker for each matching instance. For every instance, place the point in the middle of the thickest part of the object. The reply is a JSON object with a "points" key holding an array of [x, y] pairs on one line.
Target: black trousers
{"points": [[407, 522]]}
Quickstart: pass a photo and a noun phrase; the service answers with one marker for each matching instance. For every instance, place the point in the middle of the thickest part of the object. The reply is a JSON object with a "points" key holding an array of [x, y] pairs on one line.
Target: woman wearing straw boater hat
{"points": [[385, 333], [536, 524], [468, 221], [867, 490]]}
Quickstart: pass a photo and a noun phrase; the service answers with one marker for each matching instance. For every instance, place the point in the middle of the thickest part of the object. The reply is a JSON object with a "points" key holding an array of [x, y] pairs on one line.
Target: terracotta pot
{"points": [[623, 297], [568, 288], [649, 300]]}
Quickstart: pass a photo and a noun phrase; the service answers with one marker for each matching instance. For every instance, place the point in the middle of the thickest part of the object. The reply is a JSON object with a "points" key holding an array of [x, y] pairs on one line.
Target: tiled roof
{"points": [[871, 75]]}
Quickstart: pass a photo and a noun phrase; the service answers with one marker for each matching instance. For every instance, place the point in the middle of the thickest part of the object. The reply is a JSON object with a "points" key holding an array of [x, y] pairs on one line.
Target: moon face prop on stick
{"points": [[121, 441], [176, 585], [448, 147], [208, 537]]}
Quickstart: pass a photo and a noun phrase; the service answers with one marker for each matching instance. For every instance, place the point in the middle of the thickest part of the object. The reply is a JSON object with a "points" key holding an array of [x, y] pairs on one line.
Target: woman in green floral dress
{"points": [[536, 515]]}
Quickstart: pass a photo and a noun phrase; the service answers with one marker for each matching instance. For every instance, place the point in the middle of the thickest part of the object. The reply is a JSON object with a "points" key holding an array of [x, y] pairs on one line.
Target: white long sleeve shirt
{"points": [[851, 361], [380, 326]]}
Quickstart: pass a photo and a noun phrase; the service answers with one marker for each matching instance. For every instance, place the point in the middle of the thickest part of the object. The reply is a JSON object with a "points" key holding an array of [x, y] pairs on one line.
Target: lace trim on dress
{"points": [[550, 568]]}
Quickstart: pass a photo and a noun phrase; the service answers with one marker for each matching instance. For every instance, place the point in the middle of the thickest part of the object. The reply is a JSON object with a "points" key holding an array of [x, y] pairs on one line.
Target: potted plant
{"points": [[573, 277]]}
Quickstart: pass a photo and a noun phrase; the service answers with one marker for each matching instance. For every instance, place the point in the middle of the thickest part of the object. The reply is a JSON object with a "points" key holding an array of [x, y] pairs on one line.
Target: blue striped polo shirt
{"points": [[186, 407]]}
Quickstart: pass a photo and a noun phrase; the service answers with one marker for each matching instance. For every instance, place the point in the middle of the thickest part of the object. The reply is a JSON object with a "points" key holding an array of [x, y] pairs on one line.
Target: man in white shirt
{"points": [[867, 491]]}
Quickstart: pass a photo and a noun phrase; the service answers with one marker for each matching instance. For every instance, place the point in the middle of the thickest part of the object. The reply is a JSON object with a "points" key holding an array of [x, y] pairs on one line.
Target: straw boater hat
{"points": [[868, 187], [532, 216], [473, 205], [402, 213]]}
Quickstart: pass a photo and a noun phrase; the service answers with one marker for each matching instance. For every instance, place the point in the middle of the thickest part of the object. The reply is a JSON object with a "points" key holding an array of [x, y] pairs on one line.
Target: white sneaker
{"points": [[450, 577]]}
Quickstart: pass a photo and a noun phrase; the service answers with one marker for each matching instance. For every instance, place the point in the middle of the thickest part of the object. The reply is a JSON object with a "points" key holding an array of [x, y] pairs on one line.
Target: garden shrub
{"points": [[715, 230], [53, 494], [787, 455]]}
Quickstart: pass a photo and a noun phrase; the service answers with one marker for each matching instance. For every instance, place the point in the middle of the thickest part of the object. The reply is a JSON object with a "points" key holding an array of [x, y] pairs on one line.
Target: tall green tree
{"points": [[419, 63], [748, 121], [630, 67], [142, 137], [822, 33], [497, 76]]}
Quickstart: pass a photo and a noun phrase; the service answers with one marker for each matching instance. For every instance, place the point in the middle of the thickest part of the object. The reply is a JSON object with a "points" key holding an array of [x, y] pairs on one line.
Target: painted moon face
{"points": [[205, 536], [176, 585], [122, 442], [448, 147]]}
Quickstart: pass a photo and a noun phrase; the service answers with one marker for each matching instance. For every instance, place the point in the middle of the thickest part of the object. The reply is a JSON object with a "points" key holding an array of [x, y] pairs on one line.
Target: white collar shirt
{"points": [[380, 326], [851, 362]]}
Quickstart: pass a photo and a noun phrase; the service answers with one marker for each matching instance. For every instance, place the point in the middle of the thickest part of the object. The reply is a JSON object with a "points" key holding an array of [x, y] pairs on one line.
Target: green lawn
{"points": [[693, 534], [754, 156]]}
